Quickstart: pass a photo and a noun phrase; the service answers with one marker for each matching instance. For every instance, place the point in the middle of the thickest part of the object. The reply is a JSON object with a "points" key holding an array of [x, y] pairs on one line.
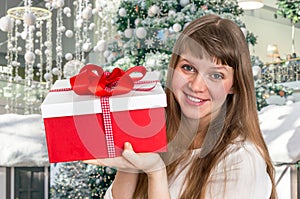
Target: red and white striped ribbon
{"points": [[108, 126]]}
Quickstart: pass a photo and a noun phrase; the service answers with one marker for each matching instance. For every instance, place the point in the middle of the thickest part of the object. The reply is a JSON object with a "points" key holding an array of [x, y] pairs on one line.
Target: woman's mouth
{"points": [[195, 101]]}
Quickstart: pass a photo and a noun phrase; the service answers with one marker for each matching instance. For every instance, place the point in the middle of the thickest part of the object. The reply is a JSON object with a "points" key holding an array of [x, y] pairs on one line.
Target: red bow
{"points": [[92, 80]]}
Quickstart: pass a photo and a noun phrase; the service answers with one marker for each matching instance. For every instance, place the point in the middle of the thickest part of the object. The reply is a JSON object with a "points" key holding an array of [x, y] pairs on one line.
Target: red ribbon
{"points": [[92, 80]]}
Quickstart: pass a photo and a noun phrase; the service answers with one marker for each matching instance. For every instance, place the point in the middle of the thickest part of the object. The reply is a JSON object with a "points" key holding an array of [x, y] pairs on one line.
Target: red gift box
{"points": [[75, 129]]}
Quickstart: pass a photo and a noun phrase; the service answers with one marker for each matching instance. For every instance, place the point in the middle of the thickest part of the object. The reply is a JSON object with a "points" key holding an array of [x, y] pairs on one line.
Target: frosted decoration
{"points": [[19, 49], [183, 3], [153, 10], [101, 46], [176, 27], [141, 32], [60, 3], [37, 52], [62, 29], [92, 26], [137, 22], [47, 76], [79, 23], [69, 56], [29, 57], [48, 5], [38, 33], [69, 33], [128, 33], [106, 53], [104, 30], [122, 12], [245, 31], [86, 47], [29, 18], [66, 10], [55, 71], [71, 68], [6, 24], [87, 13], [193, 8], [171, 13], [256, 70]]}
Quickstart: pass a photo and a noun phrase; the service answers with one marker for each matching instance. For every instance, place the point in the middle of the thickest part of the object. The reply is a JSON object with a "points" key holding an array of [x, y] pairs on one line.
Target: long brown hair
{"points": [[222, 40]]}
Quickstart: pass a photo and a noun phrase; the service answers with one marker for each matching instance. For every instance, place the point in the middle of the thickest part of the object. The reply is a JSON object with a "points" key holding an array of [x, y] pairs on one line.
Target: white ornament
{"points": [[141, 32], [183, 3], [71, 68], [171, 13], [69, 33], [245, 31], [37, 52], [122, 12], [92, 26], [106, 53], [79, 23], [60, 3], [86, 47], [69, 56], [55, 71], [177, 27], [29, 57], [104, 30], [6, 24], [137, 21], [18, 22], [128, 33], [29, 18], [87, 13], [193, 8], [101, 46], [47, 76], [48, 5], [38, 33], [153, 10], [256, 70], [67, 10]]}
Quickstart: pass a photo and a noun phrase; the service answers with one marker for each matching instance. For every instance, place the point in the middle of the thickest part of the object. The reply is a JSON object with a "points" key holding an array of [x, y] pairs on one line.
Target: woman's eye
{"points": [[217, 76], [188, 68]]}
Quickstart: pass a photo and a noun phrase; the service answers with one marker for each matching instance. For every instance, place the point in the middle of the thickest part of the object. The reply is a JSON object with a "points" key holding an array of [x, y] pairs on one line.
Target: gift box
{"points": [[81, 127]]}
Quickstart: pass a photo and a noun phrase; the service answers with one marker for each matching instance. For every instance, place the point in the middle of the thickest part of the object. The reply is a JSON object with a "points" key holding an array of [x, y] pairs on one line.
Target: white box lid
{"points": [[68, 103]]}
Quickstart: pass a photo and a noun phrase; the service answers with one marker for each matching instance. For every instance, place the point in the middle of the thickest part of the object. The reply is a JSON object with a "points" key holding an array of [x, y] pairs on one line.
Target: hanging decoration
{"points": [[29, 33], [36, 57]]}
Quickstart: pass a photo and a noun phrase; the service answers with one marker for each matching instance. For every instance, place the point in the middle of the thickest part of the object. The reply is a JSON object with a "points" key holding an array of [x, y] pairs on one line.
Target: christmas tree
{"points": [[70, 181], [148, 29], [77, 180], [100, 179]]}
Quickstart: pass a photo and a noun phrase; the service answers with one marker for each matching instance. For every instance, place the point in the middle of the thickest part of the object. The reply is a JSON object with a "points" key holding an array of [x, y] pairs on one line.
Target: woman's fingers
{"points": [[147, 162]]}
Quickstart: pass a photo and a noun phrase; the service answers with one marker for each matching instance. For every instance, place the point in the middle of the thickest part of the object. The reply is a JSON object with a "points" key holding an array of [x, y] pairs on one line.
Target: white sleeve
{"points": [[108, 193], [241, 175]]}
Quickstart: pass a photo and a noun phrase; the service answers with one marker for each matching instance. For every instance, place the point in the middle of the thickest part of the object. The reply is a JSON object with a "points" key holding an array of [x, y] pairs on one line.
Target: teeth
{"points": [[193, 99]]}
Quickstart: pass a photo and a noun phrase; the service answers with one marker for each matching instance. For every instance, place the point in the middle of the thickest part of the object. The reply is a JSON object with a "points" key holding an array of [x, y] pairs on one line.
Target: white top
{"points": [[246, 176]]}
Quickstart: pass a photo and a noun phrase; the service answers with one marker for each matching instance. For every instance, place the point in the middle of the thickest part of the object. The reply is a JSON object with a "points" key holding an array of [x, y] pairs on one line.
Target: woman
{"points": [[216, 149]]}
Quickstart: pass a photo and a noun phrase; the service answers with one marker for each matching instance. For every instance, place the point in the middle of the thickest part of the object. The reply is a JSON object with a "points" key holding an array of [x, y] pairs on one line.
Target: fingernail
{"points": [[127, 144]]}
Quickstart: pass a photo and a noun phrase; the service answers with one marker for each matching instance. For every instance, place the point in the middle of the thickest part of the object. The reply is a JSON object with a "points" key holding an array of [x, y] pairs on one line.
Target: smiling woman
{"points": [[201, 86], [215, 146]]}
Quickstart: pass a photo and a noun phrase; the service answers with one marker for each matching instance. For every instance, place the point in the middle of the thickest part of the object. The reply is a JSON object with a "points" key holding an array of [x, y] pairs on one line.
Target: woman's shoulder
{"points": [[244, 155]]}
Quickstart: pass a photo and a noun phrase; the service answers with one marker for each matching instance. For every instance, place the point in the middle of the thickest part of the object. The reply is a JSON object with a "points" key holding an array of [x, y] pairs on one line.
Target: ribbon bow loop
{"points": [[92, 80]]}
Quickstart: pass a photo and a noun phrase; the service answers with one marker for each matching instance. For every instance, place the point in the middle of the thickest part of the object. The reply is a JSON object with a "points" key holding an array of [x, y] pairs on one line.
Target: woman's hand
{"points": [[131, 161]]}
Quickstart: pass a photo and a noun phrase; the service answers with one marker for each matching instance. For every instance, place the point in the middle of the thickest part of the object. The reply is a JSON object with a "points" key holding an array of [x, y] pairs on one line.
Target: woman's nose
{"points": [[197, 83]]}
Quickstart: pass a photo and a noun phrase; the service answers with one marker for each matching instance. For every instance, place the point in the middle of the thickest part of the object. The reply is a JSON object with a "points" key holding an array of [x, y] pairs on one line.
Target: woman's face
{"points": [[201, 86]]}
